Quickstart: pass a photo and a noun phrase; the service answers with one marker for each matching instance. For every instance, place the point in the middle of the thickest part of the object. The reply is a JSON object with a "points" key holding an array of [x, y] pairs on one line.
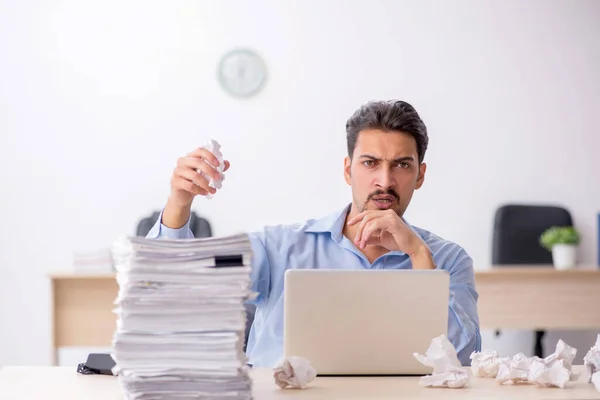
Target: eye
{"points": [[403, 165], [368, 163]]}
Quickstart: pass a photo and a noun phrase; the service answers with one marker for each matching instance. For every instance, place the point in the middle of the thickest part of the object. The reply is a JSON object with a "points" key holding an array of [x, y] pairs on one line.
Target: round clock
{"points": [[242, 73]]}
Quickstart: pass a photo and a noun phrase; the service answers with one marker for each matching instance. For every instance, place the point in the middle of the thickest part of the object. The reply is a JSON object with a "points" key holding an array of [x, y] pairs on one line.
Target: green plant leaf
{"points": [[559, 235]]}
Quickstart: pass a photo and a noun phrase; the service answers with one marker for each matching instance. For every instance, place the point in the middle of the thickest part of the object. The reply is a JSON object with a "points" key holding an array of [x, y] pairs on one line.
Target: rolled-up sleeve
{"points": [[463, 318], [159, 231]]}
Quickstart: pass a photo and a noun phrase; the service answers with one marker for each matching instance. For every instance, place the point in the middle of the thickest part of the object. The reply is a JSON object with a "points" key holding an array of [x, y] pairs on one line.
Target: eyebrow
{"points": [[396, 160]]}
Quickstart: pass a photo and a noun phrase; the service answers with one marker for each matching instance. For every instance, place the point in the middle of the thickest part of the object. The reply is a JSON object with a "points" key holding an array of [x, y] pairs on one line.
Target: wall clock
{"points": [[242, 73]]}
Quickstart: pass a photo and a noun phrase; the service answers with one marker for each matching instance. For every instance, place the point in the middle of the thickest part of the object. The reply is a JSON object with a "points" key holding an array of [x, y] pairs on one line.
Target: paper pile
{"points": [[181, 318], [447, 370]]}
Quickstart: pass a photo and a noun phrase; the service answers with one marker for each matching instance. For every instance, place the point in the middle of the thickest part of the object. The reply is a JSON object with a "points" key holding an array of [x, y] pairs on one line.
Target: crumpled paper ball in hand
{"points": [[447, 369], [485, 364], [215, 148], [295, 372], [592, 364]]}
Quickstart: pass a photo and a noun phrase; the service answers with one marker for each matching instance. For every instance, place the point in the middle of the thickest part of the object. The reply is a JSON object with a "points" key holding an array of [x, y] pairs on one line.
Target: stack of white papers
{"points": [[181, 318]]}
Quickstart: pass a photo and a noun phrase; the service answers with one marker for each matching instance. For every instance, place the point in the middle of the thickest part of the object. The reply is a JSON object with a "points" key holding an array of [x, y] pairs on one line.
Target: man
{"points": [[386, 147]]}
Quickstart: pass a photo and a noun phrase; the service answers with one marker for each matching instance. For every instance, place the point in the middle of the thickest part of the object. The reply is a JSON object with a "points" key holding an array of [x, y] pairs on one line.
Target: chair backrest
{"points": [[199, 226], [517, 230]]}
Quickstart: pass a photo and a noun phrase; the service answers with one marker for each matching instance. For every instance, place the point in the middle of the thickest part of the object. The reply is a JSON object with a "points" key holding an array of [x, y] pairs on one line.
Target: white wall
{"points": [[97, 100]]}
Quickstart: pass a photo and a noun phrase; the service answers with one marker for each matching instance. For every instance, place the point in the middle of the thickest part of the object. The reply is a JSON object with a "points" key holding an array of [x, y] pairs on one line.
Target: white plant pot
{"points": [[564, 256]]}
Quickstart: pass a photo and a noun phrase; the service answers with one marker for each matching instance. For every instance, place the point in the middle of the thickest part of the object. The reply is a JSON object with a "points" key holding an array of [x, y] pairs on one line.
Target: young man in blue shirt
{"points": [[386, 142]]}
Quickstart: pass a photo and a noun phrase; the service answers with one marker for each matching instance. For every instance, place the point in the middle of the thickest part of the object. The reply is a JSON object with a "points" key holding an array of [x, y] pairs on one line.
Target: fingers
{"points": [[202, 153], [181, 183], [371, 233], [192, 174], [194, 177], [363, 223], [198, 164], [357, 218], [358, 239], [372, 224]]}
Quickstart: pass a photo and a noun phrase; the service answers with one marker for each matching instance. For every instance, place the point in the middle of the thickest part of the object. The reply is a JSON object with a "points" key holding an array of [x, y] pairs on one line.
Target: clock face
{"points": [[242, 73]]}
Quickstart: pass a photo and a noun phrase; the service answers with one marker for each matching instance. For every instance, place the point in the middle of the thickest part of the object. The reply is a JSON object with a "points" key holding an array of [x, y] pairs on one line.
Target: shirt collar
{"points": [[332, 223]]}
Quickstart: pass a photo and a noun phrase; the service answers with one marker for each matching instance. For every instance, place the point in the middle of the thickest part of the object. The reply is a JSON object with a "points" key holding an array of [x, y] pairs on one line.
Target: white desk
{"points": [[61, 383]]}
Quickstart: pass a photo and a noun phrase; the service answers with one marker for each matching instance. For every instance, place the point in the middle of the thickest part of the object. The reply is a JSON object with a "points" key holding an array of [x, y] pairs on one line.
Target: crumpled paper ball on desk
{"points": [[591, 361], [294, 372], [552, 371], [447, 369]]}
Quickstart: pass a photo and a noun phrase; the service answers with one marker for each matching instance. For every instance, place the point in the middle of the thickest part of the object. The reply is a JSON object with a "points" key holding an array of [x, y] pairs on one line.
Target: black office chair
{"points": [[516, 240], [201, 228]]}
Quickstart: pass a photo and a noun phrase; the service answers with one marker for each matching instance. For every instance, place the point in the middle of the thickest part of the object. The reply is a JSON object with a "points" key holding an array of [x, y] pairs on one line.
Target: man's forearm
{"points": [[175, 216], [422, 258]]}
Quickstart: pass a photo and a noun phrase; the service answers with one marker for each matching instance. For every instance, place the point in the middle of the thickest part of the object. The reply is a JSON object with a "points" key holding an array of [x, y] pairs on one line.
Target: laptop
{"points": [[364, 322]]}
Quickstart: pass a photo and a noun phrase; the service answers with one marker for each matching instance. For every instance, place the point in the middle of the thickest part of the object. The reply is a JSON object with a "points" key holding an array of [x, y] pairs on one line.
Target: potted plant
{"points": [[562, 241]]}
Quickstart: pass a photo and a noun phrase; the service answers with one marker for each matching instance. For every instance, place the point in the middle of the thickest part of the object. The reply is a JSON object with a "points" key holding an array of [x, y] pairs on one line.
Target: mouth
{"points": [[384, 202]]}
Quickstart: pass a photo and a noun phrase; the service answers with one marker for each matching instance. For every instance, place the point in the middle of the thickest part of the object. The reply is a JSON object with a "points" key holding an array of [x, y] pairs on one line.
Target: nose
{"points": [[385, 179]]}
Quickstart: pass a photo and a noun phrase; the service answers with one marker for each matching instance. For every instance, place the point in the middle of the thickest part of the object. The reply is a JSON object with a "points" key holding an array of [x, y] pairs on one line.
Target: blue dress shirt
{"points": [[320, 243]]}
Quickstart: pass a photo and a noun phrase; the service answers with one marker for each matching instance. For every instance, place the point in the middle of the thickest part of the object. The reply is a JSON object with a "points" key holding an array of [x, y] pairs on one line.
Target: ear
{"points": [[347, 165], [421, 177]]}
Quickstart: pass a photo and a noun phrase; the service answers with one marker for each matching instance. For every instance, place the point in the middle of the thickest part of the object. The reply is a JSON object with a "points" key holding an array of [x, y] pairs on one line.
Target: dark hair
{"points": [[388, 116]]}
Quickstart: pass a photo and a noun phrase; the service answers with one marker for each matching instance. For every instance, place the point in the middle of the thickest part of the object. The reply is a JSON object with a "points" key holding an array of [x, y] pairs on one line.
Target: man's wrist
{"points": [[175, 216], [421, 258]]}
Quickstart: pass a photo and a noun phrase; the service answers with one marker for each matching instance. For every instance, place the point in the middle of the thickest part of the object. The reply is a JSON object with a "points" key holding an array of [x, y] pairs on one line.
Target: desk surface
{"points": [[54, 383]]}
